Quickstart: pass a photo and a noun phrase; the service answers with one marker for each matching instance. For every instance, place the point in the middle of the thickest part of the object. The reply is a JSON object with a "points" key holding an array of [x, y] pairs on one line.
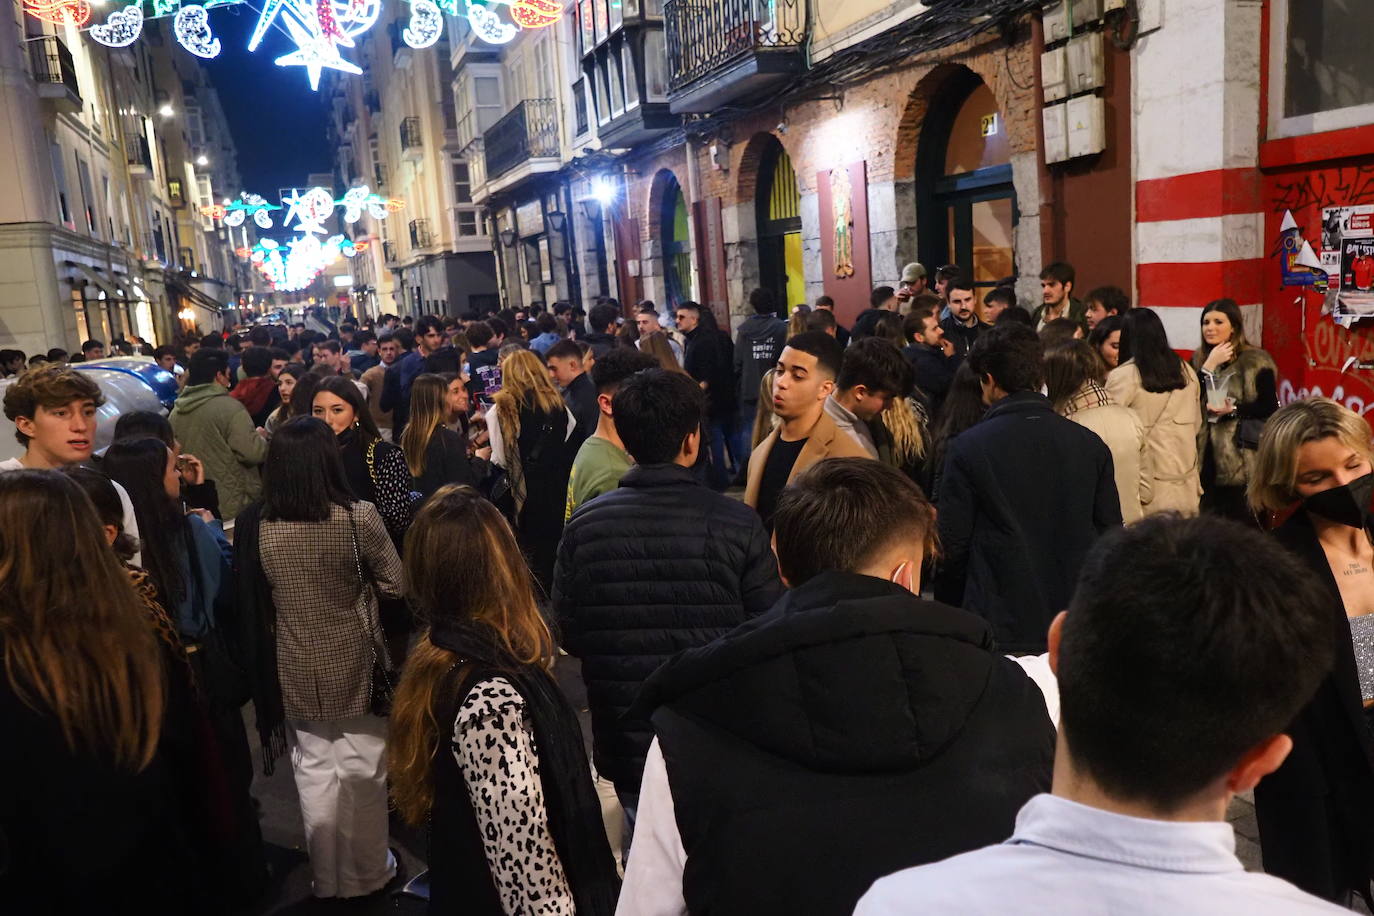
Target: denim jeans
{"points": [[723, 441]]}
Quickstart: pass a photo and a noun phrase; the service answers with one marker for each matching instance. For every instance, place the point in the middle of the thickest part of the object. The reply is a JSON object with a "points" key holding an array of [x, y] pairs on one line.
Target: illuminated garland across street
{"points": [[294, 265], [319, 28]]}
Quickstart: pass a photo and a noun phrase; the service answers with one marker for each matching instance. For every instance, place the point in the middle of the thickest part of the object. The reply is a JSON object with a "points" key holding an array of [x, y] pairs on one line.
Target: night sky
{"points": [[277, 122]]}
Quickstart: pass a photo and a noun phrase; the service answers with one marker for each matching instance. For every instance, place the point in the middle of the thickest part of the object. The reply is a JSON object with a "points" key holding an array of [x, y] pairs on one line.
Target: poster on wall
{"points": [[1347, 255]]}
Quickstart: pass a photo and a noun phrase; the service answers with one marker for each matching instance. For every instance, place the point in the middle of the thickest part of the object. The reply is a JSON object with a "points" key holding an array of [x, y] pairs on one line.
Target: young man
{"points": [[484, 361], [603, 327], [758, 342], [218, 430], [655, 566], [258, 390], [943, 276], [853, 726], [365, 353], [602, 460], [54, 413], [546, 328], [881, 300], [962, 328], [1207, 638], [92, 350], [932, 358], [707, 358], [328, 359], [1104, 301], [997, 301], [429, 337], [826, 305], [579, 392], [913, 281], [823, 320], [388, 351], [12, 362], [1056, 292], [1024, 497], [872, 374], [805, 377]]}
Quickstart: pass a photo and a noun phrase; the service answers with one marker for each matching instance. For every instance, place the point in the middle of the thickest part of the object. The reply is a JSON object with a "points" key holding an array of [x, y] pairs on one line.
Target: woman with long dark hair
{"points": [[962, 408], [1239, 392], [434, 453], [1105, 339], [1314, 811], [532, 437], [1162, 389], [287, 381], [313, 560], [486, 749], [189, 563], [89, 820], [376, 469]]}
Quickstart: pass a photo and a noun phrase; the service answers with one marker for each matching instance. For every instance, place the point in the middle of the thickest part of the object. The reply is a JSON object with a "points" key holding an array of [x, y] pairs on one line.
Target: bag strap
{"points": [[371, 474], [373, 638]]}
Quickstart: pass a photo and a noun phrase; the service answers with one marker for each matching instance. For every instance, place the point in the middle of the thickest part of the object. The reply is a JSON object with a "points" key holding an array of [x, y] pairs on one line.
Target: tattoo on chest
{"points": [[1355, 568]]}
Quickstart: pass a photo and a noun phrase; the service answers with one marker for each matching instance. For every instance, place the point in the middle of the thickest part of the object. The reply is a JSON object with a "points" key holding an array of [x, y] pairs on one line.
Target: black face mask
{"points": [[1346, 505]]}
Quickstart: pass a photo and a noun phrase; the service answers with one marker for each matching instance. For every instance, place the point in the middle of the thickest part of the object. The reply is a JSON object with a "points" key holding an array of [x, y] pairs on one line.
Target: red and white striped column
{"points": [[1198, 222]]}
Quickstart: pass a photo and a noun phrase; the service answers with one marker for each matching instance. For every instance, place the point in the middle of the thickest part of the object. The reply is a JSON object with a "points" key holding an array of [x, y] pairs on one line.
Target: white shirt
{"points": [[130, 520], [1070, 859], [653, 876]]}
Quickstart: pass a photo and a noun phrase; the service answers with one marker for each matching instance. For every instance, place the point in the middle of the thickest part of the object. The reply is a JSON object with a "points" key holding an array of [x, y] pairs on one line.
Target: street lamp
{"points": [[202, 160], [508, 237], [557, 221], [166, 110]]}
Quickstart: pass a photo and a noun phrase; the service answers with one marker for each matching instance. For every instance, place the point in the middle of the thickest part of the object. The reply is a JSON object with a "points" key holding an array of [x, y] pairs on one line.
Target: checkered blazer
{"points": [[324, 655]]}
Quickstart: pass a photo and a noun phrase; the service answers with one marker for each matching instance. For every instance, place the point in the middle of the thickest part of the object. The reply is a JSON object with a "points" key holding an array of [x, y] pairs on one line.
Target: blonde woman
{"points": [[764, 418], [796, 322], [435, 454], [533, 437], [904, 420], [486, 751], [1313, 811]]}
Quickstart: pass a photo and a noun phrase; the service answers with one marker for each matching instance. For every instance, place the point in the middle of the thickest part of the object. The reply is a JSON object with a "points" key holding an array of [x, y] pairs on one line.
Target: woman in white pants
{"points": [[313, 561]]}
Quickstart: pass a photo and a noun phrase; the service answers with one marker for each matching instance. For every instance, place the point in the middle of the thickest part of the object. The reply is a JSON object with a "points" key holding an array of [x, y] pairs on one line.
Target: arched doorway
{"points": [[777, 203], [965, 203], [676, 242]]}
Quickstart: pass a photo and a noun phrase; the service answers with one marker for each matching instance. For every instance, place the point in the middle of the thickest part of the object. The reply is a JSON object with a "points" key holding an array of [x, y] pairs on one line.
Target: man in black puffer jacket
{"points": [[659, 565]]}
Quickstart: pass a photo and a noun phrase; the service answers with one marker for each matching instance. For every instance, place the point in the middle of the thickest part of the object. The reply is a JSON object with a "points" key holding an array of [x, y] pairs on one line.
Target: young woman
{"points": [[1239, 392], [287, 382], [90, 811], [435, 454], [796, 321], [1162, 389], [656, 345], [1105, 339], [962, 408], [197, 491], [764, 418], [376, 469], [1073, 378], [532, 438], [313, 561], [1313, 812], [486, 749]]}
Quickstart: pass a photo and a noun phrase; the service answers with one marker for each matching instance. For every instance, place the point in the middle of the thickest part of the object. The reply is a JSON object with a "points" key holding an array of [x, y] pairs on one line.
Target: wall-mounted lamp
{"points": [[508, 237], [166, 110], [591, 208], [603, 191], [557, 221]]}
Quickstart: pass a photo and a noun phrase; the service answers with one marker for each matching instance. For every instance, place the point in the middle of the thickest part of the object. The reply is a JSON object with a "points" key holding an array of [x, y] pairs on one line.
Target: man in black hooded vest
{"points": [[852, 728]]}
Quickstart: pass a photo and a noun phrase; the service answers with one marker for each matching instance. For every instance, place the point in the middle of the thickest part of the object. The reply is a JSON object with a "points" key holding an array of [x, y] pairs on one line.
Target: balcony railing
{"points": [[52, 65], [419, 234], [140, 156], [389, 252], [705, 35], [527, 131], [412, 138]]}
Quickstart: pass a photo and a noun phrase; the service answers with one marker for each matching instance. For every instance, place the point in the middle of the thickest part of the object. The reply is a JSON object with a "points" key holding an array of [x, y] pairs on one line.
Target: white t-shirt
{"points": [[130, 520]]}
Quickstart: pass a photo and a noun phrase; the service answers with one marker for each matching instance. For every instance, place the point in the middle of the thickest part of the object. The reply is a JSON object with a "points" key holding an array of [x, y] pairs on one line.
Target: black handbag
{"points": [[1248, 432], [383, 691]]}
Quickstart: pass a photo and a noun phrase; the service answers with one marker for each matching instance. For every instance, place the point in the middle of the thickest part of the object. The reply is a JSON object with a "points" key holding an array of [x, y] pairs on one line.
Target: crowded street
{"points": [[686, 457]]}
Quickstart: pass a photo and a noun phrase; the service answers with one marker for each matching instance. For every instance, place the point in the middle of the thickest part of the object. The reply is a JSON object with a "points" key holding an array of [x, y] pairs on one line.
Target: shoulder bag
{"points": [[383, 688]]}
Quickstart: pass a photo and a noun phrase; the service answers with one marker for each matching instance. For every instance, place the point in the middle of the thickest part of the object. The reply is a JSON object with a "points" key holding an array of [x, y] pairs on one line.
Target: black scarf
{"points": [[573, 807], [257, 620]]}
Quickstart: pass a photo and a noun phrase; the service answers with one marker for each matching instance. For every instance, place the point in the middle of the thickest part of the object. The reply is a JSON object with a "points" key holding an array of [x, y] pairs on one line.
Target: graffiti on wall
{"points": [[1317, 190]]}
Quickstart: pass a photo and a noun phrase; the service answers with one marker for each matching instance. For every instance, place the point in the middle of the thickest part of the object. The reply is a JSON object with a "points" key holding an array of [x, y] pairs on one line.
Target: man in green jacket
{"points": [[217, 429]]}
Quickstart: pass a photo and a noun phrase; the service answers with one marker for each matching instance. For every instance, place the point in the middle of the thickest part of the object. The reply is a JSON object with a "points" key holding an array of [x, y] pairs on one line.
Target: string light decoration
{"points": [[309, 208], [192, 29], [426, 25], [320, 29], [293, 266], [234, 213], [121, 29]]}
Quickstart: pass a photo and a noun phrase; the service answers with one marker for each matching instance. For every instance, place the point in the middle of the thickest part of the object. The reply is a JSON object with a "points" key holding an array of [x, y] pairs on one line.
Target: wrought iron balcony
{"points": [[719, 50], [528, 131], [412, 138], [55, 73], [419, 234], [140, 157]]}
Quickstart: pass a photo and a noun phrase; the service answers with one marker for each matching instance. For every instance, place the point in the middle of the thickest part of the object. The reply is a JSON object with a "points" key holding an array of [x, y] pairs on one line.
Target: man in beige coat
{"points": [[805, 377]]}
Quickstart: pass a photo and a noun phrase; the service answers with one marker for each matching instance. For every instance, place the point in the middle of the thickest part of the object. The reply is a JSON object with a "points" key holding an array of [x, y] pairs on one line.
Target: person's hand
{"points": [[262, 431], [1226, 411], [947, 345], [192, 471], [205, 514], [904, 293], [484, 453], [1221, 355]]}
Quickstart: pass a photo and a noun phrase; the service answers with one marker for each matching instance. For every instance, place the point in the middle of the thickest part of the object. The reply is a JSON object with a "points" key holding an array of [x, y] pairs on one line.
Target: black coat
{"points": [[758, 344], [1316, 812], [934, 373], [659, 565], [1024, 495], [581, 400], [707, 358], [962, 336], [852, 731], [447, 461]]}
